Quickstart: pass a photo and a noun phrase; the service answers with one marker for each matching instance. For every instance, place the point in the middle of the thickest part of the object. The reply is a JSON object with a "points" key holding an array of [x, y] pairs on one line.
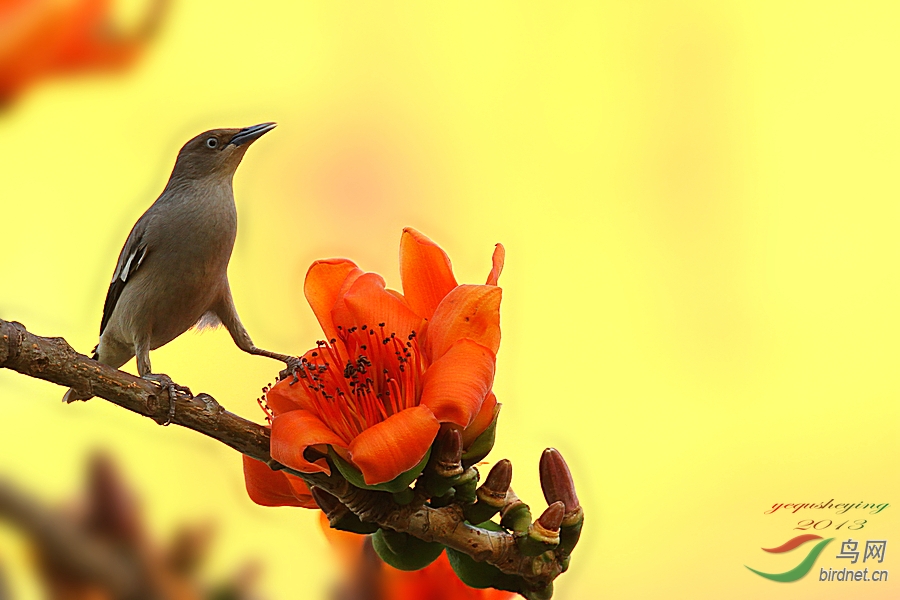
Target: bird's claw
{"points": [[165, 382], [292, 365]]}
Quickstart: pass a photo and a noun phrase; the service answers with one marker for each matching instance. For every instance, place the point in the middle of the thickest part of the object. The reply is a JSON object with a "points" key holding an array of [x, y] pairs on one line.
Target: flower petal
{"points": [[455, 386], [301, 491], [370, 304], [469, 311], [272, 488], [497, 260], [284, 396], [323, 285], [425, 272], [481, 421], [293, 432], [395, 445]]}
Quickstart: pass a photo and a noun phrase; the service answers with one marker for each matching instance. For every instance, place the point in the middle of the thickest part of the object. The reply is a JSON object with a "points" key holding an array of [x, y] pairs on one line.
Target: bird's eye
{"points": [[212, 142]]}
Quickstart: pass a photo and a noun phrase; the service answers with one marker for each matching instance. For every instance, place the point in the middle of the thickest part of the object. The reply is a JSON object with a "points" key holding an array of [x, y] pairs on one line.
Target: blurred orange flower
{"points": [[395, 366], [45, 37]]}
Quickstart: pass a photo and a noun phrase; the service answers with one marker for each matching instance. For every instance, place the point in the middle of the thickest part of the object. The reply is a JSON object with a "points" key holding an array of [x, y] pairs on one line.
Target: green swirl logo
{"points": [[805, 565]]}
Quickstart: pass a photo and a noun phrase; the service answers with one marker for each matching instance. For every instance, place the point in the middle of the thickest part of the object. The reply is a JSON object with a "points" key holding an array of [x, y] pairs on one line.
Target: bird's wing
{"points": [[133, 254]]}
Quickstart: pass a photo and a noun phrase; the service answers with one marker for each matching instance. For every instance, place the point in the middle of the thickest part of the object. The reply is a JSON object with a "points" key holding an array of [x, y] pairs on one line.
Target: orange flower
{"points": [[42, 37], [394, 368], [275, 488]]}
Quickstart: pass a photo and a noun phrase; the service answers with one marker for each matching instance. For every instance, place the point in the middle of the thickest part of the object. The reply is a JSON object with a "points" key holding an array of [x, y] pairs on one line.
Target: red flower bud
{"points": [[556, 480], [496, 485], [449, 453], [551, 519]]}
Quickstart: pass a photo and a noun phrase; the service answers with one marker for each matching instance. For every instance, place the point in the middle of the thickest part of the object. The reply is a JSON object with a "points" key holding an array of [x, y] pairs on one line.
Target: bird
{"points": [[172, 272]]}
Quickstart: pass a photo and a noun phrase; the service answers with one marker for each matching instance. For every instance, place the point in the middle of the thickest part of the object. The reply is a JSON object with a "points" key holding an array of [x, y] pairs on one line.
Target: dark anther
{"points": [[364, 327], [349, 370], [381, 324]]}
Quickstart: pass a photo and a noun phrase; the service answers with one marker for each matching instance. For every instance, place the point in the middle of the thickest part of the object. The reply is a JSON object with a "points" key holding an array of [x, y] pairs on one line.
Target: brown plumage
{"points": [[172, 271]]}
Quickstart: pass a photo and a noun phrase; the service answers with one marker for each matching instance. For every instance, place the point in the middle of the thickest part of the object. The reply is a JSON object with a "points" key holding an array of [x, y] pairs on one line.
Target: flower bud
{"points": [[449, 454], [543, 534], [496, 485], [557, 485], [491, 496], [552, 518]]}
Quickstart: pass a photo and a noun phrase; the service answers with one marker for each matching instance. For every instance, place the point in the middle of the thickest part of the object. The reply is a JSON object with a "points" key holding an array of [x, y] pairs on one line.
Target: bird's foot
{"points": [[292, 363], [165, 382], [292, 366]]}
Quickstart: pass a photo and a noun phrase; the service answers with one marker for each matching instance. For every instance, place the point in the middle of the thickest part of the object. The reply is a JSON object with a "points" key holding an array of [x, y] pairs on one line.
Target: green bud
{"points": [[491, 496], [482, 575], [403, 551]]}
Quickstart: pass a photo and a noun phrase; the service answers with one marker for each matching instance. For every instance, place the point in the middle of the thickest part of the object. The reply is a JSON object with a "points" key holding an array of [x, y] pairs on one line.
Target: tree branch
{"points": [[52, 359]]}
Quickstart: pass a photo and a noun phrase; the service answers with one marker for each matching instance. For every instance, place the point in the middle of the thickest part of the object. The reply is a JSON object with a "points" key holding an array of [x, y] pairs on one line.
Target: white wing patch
{"points": [[136, 257]]}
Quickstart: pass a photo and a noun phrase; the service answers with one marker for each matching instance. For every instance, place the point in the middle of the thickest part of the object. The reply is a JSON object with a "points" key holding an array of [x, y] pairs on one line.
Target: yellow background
{"points": [[699, 202]]}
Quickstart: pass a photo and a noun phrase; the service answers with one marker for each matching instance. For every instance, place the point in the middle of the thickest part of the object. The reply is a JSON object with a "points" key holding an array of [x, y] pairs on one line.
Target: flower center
{"points": [[362, 378]]}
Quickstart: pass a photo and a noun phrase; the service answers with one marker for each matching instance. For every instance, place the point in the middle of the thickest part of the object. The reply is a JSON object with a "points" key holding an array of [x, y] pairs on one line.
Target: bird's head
{"points": [[217, 152]]}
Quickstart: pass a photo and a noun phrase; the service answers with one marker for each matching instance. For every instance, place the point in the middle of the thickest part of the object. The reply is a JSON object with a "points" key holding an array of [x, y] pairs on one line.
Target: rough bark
{"points": [[52, 359]]}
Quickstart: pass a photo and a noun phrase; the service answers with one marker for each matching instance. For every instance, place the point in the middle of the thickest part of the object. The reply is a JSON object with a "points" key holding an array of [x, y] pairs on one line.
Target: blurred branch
{"points": [[66, 547], [52, 359]]}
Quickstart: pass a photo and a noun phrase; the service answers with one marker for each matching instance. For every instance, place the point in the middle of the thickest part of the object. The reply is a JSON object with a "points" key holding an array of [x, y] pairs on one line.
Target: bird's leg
{"points": [[292, 363], [142, 351], [228, 315]]}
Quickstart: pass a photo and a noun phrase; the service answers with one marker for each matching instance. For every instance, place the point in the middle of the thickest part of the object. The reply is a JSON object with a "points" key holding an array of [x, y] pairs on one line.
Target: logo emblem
{"points": [[805, 565]]}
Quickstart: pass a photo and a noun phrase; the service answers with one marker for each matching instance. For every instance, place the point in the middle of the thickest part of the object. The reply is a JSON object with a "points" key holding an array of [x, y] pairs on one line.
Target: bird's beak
{"points": [[248, 134]]}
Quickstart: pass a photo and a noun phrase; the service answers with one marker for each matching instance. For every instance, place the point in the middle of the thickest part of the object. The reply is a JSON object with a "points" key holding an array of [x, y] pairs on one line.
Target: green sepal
{"points": [[483, 444], [516, 517], [397, 484], [465, 487], [404, 496], [403, 551], [568, 537]]}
